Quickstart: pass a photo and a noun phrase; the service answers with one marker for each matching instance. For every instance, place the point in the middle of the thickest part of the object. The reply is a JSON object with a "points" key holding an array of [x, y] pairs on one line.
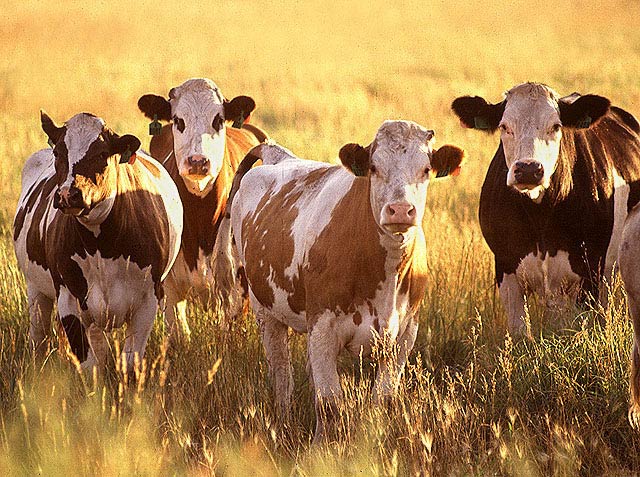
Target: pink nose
{"points": [[198, 164], [401, 213]]}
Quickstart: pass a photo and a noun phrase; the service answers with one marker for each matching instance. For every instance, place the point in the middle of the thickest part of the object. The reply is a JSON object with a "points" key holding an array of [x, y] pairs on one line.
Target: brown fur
{"points": [[603, 147], [346, 263], [138, 217]]}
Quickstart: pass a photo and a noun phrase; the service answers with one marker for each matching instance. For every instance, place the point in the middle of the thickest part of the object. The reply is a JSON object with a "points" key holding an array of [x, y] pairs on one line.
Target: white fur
{"points": [[620, 197], [82, 131], [528, 135], [197, 102], [550, 278]]}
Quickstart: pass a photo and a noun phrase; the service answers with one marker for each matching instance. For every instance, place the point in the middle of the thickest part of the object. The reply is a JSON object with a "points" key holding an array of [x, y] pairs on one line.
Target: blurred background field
{"points": [[323, 74]]}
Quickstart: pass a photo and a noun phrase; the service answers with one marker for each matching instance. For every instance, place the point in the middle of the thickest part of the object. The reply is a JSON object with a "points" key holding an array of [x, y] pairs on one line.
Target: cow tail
{"points": [[232, 289]]}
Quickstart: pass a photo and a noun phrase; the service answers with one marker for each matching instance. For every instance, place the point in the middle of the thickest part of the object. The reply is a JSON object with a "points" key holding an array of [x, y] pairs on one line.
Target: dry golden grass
{"points": [[323, 74]]}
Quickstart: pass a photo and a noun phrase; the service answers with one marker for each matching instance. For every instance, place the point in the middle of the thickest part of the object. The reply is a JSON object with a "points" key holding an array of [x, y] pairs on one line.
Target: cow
{"points": [[97, 228], [338, 253], [555, 195], [201, 152]]}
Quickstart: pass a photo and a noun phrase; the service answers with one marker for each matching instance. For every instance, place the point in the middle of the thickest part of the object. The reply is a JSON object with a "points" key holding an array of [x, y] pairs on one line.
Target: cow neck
{"points": [[399, 248], [405, 259], [202, 215], [110, 179]]}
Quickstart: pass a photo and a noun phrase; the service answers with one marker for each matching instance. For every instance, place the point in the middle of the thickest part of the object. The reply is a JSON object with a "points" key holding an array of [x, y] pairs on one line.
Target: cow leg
{"points": [[138, 331], [69, 313], [391, 367], [323, 349], [175, 316], [275, 339], [99, 348], [512, 296], [40, 307], [634, 378]]}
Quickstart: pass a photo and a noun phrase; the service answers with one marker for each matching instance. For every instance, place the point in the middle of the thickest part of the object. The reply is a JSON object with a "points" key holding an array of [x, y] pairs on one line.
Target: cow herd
{"points": [[218, 212]]}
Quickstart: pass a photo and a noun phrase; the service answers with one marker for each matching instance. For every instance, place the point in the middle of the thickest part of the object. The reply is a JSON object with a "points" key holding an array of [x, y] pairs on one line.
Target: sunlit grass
{"points": [[472, 401]]}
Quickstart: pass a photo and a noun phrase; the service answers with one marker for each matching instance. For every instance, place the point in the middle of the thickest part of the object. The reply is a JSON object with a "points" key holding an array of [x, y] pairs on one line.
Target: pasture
{"points": [[473, 400]]}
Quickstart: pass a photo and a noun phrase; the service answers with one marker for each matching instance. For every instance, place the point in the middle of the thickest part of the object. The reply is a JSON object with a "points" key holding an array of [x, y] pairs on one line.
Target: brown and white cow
{"points": [[201, 152], [97, 229], [338, 252], [556, 192]]}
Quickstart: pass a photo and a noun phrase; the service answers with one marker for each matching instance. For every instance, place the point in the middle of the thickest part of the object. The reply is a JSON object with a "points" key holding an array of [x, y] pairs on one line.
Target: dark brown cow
{"points": [[97, 228], [555, 195]]}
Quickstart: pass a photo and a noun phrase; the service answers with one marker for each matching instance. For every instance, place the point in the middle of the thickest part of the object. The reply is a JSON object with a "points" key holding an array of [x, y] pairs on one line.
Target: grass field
{"points": [[473, 401]]}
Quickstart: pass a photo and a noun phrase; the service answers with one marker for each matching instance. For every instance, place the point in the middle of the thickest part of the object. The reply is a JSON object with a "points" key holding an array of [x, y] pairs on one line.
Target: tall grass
{"points": [[473, 400]]}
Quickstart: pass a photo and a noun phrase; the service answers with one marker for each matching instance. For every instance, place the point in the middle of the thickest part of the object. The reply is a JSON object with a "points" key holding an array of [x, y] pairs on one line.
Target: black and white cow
{"points": [[97, 229], [547, 208]]}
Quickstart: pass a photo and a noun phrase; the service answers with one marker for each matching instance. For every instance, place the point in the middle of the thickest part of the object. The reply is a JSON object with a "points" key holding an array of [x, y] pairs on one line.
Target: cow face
{"points": [[399, 164], [199, 114], [86, 153], [531, 119]]}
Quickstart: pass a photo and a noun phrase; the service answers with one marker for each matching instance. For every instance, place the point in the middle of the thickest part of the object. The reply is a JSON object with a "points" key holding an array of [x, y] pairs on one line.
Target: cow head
{"points": [[399, 164], [531, 119], [86, 154], [199, 114]]}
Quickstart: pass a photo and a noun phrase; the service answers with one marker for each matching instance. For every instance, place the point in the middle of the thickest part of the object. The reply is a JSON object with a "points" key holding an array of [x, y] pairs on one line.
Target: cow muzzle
{"points": [[198, 165], [399, 217], [69, 200], [528, 174]]}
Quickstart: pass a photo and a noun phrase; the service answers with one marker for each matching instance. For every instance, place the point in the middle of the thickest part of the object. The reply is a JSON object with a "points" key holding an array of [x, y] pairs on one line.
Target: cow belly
{"points": [[281, 310], [197, 282], [550, 277], [116, 288], [36, 276]]}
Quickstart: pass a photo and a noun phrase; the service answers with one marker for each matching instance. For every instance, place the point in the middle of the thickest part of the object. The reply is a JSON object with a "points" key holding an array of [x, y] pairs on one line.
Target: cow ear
{"points": [[584, 111], [475, 113], [126, 146], [53, 132], [447, 161], [356, 158], [155, 107], [238, 109]]}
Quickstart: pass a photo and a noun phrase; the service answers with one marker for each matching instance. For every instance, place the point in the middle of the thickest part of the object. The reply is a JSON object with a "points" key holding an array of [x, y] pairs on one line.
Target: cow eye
{"points": [[217, 122], [373, 169], [427, 170], [179, 122], [556, 127], [504, 128]]}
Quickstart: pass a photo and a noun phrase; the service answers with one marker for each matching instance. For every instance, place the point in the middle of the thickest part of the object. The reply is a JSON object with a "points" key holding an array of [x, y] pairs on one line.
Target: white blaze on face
{"points": [[531, 132], [82, 131], [400, 165], [198, 132]]}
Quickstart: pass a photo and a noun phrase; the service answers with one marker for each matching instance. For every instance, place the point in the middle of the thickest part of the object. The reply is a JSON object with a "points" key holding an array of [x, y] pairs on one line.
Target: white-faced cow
{"points": [[97, 229], [338, 252], [547, 208], [201, 151]]}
